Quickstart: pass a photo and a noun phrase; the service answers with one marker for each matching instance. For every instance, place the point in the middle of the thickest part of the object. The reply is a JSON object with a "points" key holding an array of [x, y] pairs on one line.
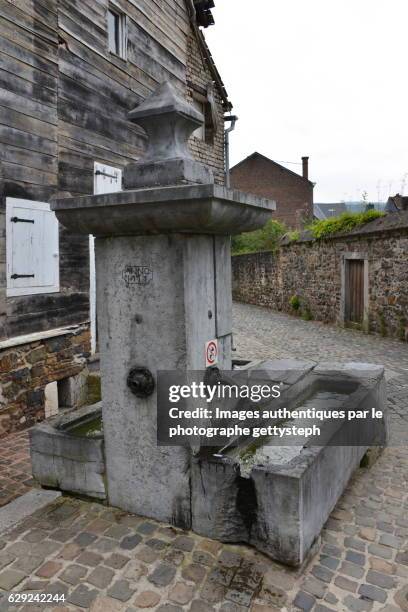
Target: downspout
{"points": [[233, 119]]}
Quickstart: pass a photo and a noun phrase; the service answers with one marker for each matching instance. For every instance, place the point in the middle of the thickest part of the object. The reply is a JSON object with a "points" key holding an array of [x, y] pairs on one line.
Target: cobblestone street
{"points": [[106, 560], [15, 467], [261, 333]]}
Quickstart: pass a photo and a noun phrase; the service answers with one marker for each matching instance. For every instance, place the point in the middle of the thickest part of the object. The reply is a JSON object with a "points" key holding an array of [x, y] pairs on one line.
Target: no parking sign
{"points": [[211, 353]]}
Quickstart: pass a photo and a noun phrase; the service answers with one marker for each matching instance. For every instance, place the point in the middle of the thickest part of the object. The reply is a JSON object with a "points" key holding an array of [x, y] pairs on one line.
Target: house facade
{"points": [[396, 203], [71, 72], [292, 192]]}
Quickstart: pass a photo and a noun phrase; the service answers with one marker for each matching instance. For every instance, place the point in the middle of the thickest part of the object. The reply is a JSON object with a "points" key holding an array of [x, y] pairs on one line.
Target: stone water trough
{"points": [[67, 452], [276, 498]]}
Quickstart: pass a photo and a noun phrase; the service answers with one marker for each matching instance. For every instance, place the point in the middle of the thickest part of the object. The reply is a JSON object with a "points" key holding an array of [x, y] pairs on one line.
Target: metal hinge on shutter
{"points": [[18, 220], [14, 276], [100, 173]]}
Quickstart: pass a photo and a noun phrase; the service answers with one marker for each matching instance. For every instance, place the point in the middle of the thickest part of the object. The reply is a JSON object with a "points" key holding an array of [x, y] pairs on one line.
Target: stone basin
{"points": [[67, 452], [278, 498], [275, 497], [204, 209]]}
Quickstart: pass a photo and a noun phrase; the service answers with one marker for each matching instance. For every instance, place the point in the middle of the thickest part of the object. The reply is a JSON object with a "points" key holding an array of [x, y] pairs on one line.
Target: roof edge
{"points": [[207, 56], [271, 161]]}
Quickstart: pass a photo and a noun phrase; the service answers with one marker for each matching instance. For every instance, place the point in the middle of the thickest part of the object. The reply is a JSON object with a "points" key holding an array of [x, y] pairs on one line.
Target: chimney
{"points": [[305, 164]]}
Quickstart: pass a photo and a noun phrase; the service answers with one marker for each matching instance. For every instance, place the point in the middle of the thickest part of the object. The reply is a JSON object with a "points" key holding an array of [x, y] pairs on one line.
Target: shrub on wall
{"points": [[307, 314], [343, 223], [293, 236], [295, 302], [265, 239]]}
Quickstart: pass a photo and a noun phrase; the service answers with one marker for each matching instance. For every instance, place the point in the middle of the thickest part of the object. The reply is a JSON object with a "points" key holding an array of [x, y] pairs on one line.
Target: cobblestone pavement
{"points": [[15, 467], [260, 332], [106, 560]]}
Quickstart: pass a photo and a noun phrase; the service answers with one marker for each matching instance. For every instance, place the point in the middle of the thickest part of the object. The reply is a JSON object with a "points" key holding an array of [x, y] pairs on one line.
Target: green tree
{"points": [[265, 239]]}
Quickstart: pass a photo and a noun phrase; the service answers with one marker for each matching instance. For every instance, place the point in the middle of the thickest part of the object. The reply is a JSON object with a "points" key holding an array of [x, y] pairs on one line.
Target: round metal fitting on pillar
{"points": [[141, 382]]}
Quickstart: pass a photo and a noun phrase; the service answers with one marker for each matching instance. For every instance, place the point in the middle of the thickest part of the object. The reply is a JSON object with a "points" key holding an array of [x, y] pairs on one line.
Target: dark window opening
{"points": [[116, 33], [206, 131]]}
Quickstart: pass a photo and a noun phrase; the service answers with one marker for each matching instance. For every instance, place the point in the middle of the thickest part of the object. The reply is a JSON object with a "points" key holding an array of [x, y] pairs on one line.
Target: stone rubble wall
{"points": [[26, 369], [311, 270]]}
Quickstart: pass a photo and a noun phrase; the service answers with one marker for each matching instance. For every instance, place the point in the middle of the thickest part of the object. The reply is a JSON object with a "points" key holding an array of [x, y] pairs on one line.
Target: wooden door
{"points": [[355, 291]]}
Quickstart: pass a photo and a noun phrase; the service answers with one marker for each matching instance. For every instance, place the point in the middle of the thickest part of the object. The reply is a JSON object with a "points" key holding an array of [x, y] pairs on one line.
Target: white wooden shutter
{"points": [[32, 248], [107, 179]]}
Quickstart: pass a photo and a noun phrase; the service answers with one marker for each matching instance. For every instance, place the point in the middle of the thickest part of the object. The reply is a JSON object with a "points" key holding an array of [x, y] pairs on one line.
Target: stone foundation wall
{"points": [[311, 270], [26, 369]]}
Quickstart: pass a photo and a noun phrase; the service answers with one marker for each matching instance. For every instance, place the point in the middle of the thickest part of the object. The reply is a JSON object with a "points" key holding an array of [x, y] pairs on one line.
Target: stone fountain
{"points": [[163, 266]]}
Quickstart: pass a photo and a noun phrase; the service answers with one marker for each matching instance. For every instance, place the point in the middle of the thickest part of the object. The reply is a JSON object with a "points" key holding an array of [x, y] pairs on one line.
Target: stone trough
{"points": [[276, 497], [67, 452]]}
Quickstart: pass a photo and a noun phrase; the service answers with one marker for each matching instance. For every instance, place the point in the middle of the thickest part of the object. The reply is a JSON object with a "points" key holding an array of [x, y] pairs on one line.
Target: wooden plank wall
{"points": [[28, 98], [64, 101], [29, 157], [97, 89]]}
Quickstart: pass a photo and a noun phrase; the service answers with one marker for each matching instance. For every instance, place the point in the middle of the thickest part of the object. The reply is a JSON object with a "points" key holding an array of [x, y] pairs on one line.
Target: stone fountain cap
{"points": [[166, 192], [169, 121], [165, 100], [191, 209]]}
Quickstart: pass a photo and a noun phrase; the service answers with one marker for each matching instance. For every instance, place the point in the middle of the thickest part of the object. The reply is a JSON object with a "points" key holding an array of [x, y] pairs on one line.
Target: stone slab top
{"points": [[38, 336], [287, 371], [354, 369], [197, 209], [24, 506]]}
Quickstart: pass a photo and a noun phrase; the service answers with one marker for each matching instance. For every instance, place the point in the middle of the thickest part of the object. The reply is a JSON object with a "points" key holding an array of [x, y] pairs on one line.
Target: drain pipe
{"points": [[233, 119]]}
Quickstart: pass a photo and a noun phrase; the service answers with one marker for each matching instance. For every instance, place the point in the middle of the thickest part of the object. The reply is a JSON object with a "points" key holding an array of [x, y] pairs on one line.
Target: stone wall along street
{"points": [[315, 271], [26, 369]]}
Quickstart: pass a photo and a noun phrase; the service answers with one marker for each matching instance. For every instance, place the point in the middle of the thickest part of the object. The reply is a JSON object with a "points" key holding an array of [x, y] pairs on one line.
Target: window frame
{"points": [[122, 31], [208, 128], [38, 206]]}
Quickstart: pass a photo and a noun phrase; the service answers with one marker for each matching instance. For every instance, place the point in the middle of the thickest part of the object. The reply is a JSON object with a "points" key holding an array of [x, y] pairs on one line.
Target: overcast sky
{"points": [[324, 78]]}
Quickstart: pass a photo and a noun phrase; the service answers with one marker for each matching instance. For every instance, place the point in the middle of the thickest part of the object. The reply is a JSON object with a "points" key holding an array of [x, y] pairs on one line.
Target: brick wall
{"points": [[26, 369], [293, 193], [311, 270], [199, 76]]}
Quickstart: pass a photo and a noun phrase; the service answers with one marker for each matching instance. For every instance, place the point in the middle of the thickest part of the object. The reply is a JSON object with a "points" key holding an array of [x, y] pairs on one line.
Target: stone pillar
{"points": [[163, 291], [156, 309]]}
